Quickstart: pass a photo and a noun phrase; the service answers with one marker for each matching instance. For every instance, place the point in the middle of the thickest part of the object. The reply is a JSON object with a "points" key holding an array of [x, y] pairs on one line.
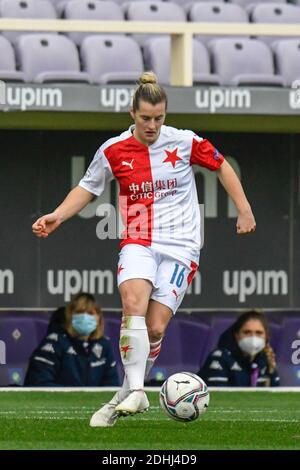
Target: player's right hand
{"points": [[46, 225]]}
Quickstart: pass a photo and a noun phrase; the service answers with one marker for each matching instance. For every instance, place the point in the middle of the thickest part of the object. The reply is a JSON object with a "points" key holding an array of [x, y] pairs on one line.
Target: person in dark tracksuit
{"points": [[244, 356], [77, 354]]}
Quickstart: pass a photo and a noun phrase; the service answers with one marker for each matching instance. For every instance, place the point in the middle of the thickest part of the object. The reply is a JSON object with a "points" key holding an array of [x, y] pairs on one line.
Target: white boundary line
{"points": [[149, 389]]}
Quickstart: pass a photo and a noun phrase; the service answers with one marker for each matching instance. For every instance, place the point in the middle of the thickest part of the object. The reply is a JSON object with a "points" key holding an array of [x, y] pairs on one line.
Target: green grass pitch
{"points": [[234, 420]]}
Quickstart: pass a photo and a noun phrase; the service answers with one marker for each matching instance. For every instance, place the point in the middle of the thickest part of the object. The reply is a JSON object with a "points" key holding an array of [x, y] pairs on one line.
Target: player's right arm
{"points": [[75, 201], [92, 184]]}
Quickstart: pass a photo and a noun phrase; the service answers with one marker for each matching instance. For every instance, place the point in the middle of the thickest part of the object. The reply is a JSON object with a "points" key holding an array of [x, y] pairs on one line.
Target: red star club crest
{"points": [[172, 157]]}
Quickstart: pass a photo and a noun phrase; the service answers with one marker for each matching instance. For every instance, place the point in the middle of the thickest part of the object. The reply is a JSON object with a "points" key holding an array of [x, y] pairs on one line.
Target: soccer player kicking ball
{"points": [[161, 247]]}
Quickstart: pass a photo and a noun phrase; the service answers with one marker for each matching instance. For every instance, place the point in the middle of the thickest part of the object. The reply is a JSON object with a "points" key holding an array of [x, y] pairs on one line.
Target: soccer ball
{"points": [[184, 396]]}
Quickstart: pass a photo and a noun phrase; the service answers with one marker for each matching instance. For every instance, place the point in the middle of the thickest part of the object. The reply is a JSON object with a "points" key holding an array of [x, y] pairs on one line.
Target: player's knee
{"points": [[131, 303], [156, 332]]}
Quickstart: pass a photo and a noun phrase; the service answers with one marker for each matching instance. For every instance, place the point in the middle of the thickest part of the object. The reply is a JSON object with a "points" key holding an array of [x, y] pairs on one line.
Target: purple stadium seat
{"points": [[122, 2], [289, 372], [33, 9], [59, 5], [21, 334], [49, 58], [91, 10], [153, 11], [187, 4], [111, 59], [8, 70], [244, 62], [157, 56], [273, 13], [250, 3], [245, 3], [215, 12], [162, 11], [287, 59]]}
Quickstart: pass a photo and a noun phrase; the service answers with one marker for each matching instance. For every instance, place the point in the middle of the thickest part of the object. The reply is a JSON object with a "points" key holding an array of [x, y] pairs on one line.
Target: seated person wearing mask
{"points": [[77, 354], [244, 356]]}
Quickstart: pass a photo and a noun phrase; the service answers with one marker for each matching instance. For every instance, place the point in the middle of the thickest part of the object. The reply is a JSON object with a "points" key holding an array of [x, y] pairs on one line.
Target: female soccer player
{"points": [[160, 249]]}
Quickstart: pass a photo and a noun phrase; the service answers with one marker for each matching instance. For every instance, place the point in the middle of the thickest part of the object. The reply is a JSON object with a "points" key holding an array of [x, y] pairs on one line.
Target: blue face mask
{"points": [[84, 323]]}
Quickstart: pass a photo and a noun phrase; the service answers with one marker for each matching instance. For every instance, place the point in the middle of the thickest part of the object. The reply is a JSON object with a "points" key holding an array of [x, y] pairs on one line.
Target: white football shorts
{"points": [[170, 277]]}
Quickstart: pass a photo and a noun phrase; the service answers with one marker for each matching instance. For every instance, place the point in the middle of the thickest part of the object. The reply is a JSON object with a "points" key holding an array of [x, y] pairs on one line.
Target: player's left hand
{"points": [[245, 222]]}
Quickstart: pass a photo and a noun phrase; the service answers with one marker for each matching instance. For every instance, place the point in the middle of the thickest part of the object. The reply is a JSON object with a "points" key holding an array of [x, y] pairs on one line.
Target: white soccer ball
{"points": [[184, 396]]}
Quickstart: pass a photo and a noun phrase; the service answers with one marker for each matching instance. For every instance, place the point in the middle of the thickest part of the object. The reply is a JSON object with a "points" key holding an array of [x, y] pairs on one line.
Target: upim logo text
{"points": [[71, 281], [6, 281], [116, 98], [32, 97], [245, 283], [214, 99]]}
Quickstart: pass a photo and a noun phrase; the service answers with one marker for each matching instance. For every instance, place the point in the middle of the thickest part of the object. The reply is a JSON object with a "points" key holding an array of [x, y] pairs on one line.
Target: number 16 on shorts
{"points": [[178, 275]]}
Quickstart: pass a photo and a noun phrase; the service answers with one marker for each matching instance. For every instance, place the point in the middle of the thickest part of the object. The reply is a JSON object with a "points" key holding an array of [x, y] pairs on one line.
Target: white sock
{"points": [[153, 355], [134, 349]]}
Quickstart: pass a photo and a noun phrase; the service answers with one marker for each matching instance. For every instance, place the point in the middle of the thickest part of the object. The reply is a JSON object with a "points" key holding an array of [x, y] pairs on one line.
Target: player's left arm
{"points": [[204, 154], [228, 178]]}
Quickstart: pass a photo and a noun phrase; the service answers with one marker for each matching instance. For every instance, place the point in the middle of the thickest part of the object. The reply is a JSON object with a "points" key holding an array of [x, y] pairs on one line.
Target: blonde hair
{"points": [[149, 90], [80, 303]]}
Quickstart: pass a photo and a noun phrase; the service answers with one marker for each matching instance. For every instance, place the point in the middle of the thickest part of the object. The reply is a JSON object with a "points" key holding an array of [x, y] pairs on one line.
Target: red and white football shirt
{"points": [[158, 196]]}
